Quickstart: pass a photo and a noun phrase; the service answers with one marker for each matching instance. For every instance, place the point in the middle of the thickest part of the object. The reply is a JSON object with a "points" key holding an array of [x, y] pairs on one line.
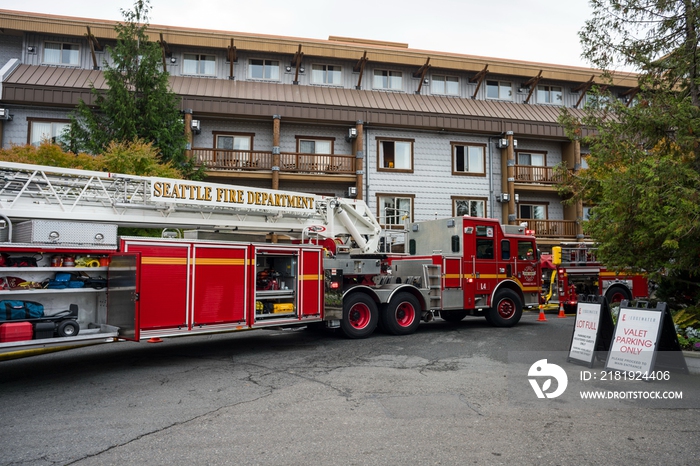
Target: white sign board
{"points": [[585, 335], [634, 342]]}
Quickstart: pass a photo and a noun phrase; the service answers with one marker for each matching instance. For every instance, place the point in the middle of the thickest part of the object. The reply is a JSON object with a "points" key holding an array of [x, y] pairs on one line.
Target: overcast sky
{"points": [[536, 30]]}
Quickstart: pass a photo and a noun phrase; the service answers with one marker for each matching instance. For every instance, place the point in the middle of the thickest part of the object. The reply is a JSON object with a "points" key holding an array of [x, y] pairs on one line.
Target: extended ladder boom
{"points": [[42, 192]]}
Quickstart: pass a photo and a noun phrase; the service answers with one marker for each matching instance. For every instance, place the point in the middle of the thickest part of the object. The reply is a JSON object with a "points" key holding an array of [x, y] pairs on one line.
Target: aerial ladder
{"points": [[50, 193]]}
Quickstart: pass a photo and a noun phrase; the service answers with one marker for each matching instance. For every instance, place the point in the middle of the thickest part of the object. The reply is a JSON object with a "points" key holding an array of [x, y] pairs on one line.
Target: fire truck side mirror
{"points": [[556, 255]]}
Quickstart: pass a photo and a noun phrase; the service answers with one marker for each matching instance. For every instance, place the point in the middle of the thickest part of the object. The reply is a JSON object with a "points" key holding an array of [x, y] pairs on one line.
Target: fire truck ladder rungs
{"points": [[37, 192], [431, 272]]}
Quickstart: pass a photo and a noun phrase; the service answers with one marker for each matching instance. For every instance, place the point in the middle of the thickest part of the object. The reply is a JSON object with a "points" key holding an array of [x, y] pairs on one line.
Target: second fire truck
{"points": [[235, 258], [573, 270]]}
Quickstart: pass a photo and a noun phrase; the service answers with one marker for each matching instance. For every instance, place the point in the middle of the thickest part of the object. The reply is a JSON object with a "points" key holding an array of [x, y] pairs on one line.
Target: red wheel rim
{"points": [[506, 308], [359, 316], [405, 314], [617, 297]]}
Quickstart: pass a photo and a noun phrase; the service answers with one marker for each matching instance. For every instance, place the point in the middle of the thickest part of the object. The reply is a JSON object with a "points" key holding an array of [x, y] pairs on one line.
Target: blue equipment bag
{"points": [[20, 310]]}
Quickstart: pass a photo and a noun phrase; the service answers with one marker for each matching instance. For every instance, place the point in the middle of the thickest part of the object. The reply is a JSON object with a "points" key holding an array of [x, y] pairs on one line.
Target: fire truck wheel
{"points": [[506, 310], [360, 316], [402, 315], [615, 294], [68, 328], [453, 316]]}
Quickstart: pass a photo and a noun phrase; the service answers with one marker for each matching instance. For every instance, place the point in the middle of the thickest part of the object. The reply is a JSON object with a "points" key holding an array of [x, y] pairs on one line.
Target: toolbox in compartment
{"points": [[283, 308], [16, 331]]}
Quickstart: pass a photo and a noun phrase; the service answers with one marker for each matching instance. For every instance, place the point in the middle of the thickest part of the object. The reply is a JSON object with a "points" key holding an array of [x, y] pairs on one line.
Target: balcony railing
{"points": [[290, 162], [551, 228], [536, 174]]}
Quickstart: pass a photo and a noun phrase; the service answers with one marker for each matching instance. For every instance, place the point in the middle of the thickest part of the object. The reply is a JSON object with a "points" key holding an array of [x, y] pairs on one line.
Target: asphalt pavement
{"points": [[448, 394]]}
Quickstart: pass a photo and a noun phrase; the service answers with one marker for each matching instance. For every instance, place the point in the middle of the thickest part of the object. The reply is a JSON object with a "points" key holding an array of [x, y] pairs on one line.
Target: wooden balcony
{"points": [[536, 174], [290, 162], [551, 228]]}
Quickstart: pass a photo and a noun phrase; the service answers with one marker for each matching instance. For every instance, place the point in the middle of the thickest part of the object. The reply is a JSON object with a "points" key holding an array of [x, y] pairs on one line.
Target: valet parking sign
{"points": [[634, 343]]}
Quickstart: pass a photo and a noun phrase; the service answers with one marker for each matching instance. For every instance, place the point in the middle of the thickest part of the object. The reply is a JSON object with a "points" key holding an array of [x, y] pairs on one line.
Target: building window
{"points": [[533, 211], [198, 64], [445, 85], [395, 154], [499, 90], [264, 69], [49, 131], [549, 95], [468, 159], [394, 209], [532, 158], [57, 53], [234, 141], [326, 74], [391, 80], [469, 207], [587, 212], [314, 146]]}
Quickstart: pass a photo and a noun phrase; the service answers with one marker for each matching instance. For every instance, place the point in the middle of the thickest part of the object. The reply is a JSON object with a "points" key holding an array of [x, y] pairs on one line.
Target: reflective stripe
{"points": [[164, 260], [215, 261]]}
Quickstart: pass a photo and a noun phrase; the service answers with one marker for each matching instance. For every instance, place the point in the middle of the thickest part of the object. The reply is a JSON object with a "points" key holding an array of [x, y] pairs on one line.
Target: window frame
{"points": [[381, 196], [531, 152], [52, 121], [380, 155], [199, 62], [315, 138], [549, 90], [325, 74], [264, 65], [60, 62], [453, 148], [433, 80], [217, 134], [545, 205], [499, 86], [469, 199], [388, 76]]}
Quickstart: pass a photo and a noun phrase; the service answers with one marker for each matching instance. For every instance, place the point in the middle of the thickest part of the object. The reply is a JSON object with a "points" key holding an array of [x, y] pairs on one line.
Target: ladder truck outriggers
{"points": [[237, 258]]}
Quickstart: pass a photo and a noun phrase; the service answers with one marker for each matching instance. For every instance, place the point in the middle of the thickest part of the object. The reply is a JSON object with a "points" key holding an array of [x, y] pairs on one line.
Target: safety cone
{"points": [[541, 318], [561, 310], [155, 340]]}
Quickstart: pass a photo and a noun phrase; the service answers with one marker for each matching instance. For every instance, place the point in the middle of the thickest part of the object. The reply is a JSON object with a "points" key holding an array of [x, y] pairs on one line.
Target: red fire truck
{"points": [[233, 258], [573, 269]]}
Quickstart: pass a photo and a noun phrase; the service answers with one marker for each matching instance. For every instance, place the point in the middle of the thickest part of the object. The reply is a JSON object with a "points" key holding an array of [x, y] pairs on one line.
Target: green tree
{"points": [[643, 171], [138, 103]]}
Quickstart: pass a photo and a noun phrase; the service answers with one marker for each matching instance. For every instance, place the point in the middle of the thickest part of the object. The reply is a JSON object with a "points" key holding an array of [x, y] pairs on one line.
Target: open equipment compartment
{"points": [[276, 283]]}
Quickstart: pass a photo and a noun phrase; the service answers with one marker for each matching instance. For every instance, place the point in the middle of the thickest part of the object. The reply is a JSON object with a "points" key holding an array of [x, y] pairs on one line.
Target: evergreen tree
{"points": [[138, 103], [643, 172]]}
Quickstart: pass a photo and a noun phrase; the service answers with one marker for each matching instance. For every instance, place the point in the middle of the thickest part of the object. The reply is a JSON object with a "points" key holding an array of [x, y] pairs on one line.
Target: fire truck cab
{"points": [[475, 267]]}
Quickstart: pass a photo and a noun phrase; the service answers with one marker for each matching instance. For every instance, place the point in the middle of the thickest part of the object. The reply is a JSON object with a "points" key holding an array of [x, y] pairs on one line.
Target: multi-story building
{"points": [[414, 133]]}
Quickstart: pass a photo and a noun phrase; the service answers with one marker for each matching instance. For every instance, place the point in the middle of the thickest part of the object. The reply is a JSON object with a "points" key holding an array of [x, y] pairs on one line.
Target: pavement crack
{"points": [[168, 427]]}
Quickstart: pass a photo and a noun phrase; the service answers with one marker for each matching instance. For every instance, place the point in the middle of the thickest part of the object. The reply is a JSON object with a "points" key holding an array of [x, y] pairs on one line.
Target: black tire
{"points": [[360, 316], [617, 293], [453, 316], [68, 328], [507, 309], [401, 316]]}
